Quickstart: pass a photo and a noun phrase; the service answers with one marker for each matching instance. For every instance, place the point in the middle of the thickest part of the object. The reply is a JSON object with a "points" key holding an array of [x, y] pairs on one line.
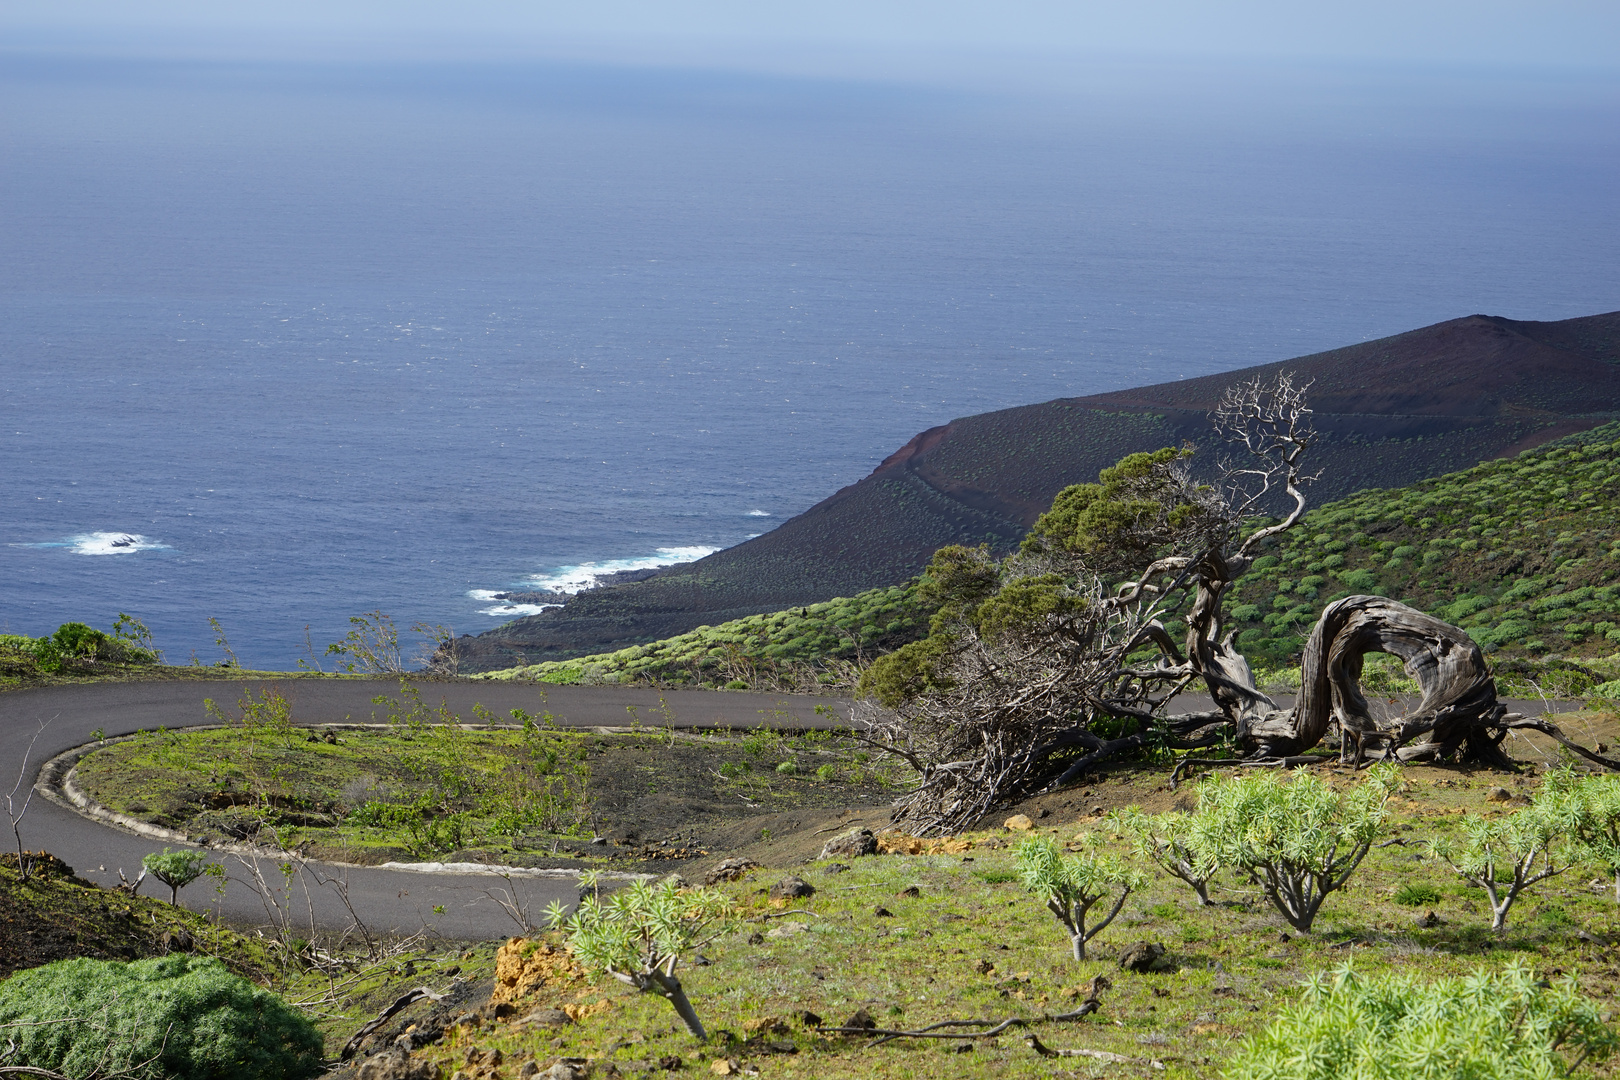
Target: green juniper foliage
{"points": [[639, 934], [1298, 838], [1506, 1025], [1072, 885], [173, 1018]]}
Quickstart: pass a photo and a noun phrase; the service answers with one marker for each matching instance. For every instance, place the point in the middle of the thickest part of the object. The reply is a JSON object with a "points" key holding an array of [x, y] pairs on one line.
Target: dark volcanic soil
{"points": [[1389, 412]]}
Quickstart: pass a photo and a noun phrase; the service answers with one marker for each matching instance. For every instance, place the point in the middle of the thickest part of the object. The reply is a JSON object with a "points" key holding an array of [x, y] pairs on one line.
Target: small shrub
{"points": [[1072, 885], [1507, 856], [787, 768], [1299, 838], [176, 869], [1162, 840], [173, 1018], [1413, 895], [1510, 1025], [639, 934]]}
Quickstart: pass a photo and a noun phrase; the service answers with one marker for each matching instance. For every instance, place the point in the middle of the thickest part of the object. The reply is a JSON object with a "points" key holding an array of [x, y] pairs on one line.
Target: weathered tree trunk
{"points": [[1458, 712]]}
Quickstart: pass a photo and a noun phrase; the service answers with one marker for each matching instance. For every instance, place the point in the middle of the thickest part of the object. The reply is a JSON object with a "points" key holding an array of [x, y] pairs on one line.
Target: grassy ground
{"points": [[53, 915], [534, 796], [21, 673], [970, 943]]}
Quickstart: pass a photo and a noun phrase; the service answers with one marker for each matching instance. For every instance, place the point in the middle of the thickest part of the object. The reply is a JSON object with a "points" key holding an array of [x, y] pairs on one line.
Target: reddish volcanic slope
{"points": [[1389, 412]]}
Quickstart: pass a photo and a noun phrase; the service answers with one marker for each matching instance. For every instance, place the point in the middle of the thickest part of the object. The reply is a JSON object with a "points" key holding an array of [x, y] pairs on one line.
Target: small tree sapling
{"points": [[639, 934], [1508, 855], [1163, 841], [1072, 885], [176, 869], [1298, 839]]}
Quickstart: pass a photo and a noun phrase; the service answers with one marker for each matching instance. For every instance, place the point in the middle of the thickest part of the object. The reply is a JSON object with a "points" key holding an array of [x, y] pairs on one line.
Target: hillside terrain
{"points": [[1389, 412], [1522, 552]]}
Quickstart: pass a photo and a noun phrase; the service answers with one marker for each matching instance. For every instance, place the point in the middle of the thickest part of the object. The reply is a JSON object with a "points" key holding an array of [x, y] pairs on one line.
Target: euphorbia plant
{"points": [[1508, 855], [1162, 840], [639, 934], [1299, 839], [1072, 885]]}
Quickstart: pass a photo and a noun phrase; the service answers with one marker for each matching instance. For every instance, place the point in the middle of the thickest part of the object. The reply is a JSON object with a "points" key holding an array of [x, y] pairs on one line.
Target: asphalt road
{"points": [[58, 719]]}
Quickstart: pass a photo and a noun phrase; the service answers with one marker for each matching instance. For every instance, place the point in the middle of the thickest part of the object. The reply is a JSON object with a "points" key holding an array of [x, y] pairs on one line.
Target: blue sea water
{"points": [[284, 344]]}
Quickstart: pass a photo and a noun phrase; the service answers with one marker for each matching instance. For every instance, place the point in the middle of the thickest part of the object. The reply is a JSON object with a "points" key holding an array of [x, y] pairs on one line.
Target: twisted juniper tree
{"points": [[1068, 652]]}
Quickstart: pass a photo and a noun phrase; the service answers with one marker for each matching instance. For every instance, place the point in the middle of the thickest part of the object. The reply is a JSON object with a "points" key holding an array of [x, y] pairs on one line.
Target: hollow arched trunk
{"points": [[1459, 710]]}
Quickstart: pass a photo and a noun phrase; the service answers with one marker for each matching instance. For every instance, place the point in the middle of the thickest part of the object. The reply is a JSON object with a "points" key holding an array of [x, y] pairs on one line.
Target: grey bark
{"points": [[1459, 711]]}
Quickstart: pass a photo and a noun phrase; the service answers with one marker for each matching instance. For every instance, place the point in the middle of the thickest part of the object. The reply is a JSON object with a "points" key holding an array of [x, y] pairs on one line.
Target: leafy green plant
{"points": [[1412, 894], [1072, 885], [639, 934], [1506, 1025], [372, 645], [1162, 840], [1299, 839], [1508, 855], [176, 869], [174, 1018], [1597, 817]]}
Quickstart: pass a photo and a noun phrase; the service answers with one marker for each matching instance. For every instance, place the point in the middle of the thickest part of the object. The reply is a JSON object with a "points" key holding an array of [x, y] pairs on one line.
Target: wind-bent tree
{"points": [[1041, 665]]}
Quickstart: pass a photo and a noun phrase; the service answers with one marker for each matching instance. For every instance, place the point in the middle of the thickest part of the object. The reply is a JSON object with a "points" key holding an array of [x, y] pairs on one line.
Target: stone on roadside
{"points": [[1499, 794], [787, 929], [1019, 823], [850, 845], [395, 1064], [543, 1017]]}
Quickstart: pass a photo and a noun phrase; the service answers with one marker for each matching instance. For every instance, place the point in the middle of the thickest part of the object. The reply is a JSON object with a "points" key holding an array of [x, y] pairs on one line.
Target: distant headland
{"points": [[1389, 412]]}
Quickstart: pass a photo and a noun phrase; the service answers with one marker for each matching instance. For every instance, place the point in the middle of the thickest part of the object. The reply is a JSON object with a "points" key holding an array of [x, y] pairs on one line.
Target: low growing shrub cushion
{"points": [[172, 1018]]}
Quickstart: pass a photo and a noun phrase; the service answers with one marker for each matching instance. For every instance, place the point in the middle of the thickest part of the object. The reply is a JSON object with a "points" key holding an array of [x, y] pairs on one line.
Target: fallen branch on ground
{"points": [[1099, 1055], [880, 1036], [383, 1017]]}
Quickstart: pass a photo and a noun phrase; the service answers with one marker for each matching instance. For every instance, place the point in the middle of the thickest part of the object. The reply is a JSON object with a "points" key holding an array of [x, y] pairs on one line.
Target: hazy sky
{"points": [[951, 40]]}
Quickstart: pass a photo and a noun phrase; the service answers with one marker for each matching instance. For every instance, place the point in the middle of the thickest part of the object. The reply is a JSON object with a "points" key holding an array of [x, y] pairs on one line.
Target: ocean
{"points": [[286, 344]]}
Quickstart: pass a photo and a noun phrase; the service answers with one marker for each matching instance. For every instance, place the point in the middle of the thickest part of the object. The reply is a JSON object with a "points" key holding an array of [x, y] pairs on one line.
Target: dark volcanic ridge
{"points": [[1389, 412]]}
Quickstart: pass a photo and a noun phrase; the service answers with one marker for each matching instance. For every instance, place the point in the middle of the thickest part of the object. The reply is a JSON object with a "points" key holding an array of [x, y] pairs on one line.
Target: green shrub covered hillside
{"points": [[813, 644], [1523, 553]]}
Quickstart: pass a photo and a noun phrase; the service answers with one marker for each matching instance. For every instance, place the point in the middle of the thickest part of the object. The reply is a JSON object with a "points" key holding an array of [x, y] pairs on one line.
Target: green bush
{"points": [[172, 1018], [1298, 839], [1510, 1025], [176, 869]]}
